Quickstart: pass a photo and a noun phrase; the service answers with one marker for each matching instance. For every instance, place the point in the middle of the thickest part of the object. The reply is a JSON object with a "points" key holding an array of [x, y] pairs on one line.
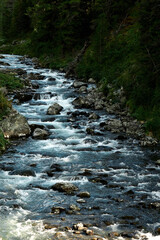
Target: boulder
{"points": [[15, 125], [40, 133], [54, 109], [65, 187], [23, 172], [23, 97]]}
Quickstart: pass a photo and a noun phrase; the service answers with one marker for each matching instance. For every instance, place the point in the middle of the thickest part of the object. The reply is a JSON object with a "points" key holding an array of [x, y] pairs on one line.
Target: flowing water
{"points": [[121, 177]]}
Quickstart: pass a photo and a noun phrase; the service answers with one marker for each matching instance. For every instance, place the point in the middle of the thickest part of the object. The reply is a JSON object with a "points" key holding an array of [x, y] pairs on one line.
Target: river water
{"points": [[121, 177]]}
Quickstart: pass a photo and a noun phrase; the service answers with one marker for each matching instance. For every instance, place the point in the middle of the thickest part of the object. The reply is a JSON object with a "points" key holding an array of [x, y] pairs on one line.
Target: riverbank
{"points": [[114, 103]]}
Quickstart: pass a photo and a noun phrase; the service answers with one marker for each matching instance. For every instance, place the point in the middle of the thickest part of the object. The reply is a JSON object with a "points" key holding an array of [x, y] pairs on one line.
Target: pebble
{"points": [[78, 226], [89, 232], [81, 200], [74, 207]]}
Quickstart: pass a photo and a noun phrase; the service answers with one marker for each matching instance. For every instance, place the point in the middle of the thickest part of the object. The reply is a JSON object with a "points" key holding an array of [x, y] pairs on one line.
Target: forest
{"points": [[122, 40]]}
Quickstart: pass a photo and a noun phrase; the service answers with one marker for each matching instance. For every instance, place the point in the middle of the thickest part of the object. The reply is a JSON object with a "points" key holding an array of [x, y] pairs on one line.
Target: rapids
{"points": [[121, 177]]}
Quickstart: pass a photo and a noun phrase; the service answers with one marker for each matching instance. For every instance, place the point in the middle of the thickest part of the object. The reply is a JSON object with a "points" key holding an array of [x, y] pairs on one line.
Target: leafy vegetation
{"points": [[123, 41], [3, 142], [10, 81]]}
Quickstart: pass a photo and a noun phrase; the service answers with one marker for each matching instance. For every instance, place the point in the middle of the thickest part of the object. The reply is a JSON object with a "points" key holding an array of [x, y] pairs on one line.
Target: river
{"points": [[121, 177]]}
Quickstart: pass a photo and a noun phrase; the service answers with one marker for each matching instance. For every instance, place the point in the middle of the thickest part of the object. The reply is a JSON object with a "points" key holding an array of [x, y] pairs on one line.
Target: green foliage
{"points": [[3, 142], [10, 81], [123, 41], [5, 105]]}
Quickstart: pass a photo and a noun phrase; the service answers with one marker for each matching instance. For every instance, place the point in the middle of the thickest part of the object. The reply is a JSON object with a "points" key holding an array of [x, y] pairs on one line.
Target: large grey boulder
{"points": [[15, 125], [54, 109]]}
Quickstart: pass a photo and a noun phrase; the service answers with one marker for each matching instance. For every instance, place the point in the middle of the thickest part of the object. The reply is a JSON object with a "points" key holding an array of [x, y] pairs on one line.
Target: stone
{"points": [[81, 200], [78, 226], [91, 80], [54, 109], [23, 172], [15, 125], [57, 210], [35, 76], [40, 133], [65, 187], [83, 89], [74, 207], [78, 84], [81, 102], [56, 167], [34, 126], [94, 116], [158, 162], [23, 97], [84, 194], [89, 232]]}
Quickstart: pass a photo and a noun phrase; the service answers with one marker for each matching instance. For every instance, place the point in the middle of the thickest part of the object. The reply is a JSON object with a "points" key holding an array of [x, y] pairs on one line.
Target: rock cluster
{"points": [[123, 123]]}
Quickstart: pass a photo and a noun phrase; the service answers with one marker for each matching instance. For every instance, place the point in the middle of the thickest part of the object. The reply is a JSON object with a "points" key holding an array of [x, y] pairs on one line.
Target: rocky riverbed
{"points": [[77, 167]]}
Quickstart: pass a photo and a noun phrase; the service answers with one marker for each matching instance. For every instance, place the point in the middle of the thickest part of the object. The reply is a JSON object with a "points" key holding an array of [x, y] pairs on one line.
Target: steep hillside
{"points": [[123, 45]]}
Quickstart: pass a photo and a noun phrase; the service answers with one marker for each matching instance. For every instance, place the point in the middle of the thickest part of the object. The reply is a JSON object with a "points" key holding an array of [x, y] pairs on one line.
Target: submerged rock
{"points": [[15, 126], [23, 172], [23, 97], [54, 109]]}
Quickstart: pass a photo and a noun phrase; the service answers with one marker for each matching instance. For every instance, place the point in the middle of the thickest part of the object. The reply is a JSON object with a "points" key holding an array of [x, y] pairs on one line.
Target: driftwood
{"points": [[71, 68]]}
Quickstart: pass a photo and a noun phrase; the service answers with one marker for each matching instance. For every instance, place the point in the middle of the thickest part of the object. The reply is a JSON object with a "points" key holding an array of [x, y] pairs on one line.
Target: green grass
{"points": [[3, 142], [10, 81]]}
